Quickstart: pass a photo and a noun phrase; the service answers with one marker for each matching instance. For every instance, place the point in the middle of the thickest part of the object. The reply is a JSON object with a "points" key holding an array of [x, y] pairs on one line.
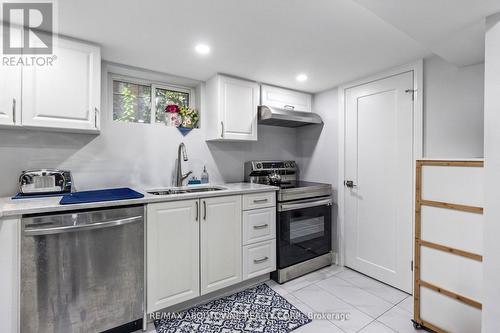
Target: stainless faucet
{"points": [[180, 177]]}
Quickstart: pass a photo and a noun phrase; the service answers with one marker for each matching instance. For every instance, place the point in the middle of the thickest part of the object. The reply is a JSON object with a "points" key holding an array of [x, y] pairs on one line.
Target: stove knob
{"points": [[259, 165], [287, 165], [292, 164]]}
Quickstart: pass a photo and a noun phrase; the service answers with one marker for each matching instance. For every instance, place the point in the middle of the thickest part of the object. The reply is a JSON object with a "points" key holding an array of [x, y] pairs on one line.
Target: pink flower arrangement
{"points": [[172, 108], [174, 119]]}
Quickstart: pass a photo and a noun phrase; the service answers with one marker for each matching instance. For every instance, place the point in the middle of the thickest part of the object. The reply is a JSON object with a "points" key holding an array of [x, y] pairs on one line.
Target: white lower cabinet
{"points": [[259, 258], [172, 253], [220, 243], [259, 234], [195, 247]]}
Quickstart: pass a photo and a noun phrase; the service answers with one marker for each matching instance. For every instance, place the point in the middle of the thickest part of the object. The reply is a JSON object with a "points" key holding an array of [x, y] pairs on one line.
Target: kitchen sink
{"points": [[172, 191]]}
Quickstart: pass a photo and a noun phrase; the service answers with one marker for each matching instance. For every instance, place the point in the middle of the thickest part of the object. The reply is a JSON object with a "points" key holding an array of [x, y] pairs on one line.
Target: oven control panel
{"points": [[272, 165]]}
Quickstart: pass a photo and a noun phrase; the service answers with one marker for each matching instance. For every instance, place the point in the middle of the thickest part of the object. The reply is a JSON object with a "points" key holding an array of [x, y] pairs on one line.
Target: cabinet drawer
{"points": [[259, 258], [259, 200], [259, 225]]}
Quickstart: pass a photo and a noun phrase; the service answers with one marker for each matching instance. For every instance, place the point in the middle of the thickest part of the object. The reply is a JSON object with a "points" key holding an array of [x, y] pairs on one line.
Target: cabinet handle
{"points": [[261, 226], [222, 129], [204, 210], [14, 110], [95, 116], [197, 211], [289, 107], [258, 261], [260, 200]]}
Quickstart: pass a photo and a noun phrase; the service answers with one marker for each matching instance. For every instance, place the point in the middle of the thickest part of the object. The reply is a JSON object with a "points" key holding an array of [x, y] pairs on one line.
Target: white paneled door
{"points": [[379, 179]]}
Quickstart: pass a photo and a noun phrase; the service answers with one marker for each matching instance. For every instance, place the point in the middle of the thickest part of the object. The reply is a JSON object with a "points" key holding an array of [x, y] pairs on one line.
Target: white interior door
{"points": [[379, 162]]}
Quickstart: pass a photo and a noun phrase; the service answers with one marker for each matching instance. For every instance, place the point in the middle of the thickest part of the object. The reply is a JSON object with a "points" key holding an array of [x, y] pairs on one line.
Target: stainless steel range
{"points": [[304, 218]]}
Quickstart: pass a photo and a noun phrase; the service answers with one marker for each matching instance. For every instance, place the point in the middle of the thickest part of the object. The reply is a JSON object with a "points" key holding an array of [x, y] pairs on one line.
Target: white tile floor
{"points": [[373, 307]]}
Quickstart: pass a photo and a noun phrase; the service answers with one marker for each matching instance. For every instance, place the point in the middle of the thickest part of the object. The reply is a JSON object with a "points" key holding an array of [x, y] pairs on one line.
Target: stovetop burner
{"points": [[291, 188], [296, 184]]}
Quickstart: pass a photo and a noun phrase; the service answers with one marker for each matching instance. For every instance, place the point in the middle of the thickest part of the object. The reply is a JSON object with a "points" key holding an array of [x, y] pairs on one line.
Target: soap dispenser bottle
{"points": [[204, 175]]}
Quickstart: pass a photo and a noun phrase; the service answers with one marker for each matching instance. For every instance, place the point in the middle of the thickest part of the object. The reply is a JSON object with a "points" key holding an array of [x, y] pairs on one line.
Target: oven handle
{"points": [[299, 205]]}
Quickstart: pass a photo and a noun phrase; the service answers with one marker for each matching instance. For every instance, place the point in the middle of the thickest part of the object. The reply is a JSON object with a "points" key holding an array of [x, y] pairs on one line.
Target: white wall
{"points": [[318, 150], [453, 109], [453, 126], [491, 263], [318, 146], [140, 155]]}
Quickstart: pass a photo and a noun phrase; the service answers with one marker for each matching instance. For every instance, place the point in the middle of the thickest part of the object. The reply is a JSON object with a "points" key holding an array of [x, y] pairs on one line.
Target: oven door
{"points": [[304, 230]]}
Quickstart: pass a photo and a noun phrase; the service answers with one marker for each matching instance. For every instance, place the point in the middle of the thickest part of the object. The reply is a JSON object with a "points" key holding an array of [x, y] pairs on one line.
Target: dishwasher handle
{"points": [[82, 227]]}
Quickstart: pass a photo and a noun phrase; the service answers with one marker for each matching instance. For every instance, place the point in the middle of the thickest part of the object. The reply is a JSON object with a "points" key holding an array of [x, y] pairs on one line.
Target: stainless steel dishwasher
{"points": [[83, 271]]}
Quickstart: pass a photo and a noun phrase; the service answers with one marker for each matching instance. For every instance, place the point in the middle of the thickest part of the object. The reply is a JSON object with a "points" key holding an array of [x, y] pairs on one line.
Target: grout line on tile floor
{"points": [[368, 291], [354, 306]]}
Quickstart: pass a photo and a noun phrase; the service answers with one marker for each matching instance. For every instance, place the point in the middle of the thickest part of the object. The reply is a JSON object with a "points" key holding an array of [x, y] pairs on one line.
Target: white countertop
{"points": [[9, 207]]}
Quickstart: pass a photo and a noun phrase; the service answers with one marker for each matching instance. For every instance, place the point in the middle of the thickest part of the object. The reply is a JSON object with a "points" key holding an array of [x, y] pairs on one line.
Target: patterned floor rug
{"points": [[257, 309]]}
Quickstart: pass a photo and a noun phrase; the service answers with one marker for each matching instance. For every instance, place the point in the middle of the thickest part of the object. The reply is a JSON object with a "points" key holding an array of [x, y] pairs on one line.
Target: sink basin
{"points": [[176, 190]]}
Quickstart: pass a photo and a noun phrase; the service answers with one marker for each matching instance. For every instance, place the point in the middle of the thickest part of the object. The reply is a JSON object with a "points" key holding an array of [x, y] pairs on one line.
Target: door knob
{"points": [[349, 183]]}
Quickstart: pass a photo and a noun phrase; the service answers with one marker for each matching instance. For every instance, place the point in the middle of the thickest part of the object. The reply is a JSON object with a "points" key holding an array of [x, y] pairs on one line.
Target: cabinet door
{"points": [[286, 99], [172, 253], [10, 94], [10, 87], [220, 242], [65, 95], [239, 100]]}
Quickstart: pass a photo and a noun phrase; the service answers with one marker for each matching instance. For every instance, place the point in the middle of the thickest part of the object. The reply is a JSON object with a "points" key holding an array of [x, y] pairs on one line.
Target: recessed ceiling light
{"points": [[202, 49], [301, 77]]}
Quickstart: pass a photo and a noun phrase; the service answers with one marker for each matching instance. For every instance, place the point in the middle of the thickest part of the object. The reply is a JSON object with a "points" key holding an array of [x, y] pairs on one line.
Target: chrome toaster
{"points": [[45, 181]]}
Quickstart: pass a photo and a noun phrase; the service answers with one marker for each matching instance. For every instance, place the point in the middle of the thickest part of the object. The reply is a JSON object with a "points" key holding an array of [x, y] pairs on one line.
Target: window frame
{"points": [[126, 79], [153, 84], [170, 87]]}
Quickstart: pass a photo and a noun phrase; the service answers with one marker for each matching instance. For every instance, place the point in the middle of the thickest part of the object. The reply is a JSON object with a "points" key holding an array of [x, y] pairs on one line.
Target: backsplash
{"points": [[134, 155]]}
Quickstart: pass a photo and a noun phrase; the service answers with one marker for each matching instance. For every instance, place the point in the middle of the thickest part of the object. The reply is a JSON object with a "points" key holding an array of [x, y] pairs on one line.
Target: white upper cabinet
{"points": [[10, 94], [65, 95], [231, 109], [285, 99], [10, 87]]}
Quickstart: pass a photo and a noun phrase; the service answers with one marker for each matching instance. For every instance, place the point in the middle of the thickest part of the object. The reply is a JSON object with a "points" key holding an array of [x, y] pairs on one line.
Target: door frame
{"points": [[418, 133]]}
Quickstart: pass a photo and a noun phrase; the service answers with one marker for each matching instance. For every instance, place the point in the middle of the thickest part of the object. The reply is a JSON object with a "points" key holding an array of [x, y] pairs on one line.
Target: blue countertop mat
{"points": [[100, 195]]}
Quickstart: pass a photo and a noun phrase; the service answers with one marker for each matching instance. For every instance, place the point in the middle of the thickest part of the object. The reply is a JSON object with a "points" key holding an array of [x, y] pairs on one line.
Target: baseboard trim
{"points": [[210, 297]]}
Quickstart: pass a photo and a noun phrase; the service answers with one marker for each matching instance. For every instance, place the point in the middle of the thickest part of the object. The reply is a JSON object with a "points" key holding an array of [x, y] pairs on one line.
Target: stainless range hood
{"points": [[286, 118]]}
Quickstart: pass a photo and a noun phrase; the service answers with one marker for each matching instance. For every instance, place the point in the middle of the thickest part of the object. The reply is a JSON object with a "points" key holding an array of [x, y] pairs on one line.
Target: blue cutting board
{"points": [[111, 194]]}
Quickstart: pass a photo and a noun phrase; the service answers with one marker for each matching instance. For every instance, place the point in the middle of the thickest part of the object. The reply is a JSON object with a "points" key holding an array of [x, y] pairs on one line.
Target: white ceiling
{"points": [[332, 41], [452, 29]]}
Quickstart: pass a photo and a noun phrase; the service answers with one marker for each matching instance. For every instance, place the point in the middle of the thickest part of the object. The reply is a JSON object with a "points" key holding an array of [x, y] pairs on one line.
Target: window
{"points": [[131, 102], [145, 102], [164, 97]]}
